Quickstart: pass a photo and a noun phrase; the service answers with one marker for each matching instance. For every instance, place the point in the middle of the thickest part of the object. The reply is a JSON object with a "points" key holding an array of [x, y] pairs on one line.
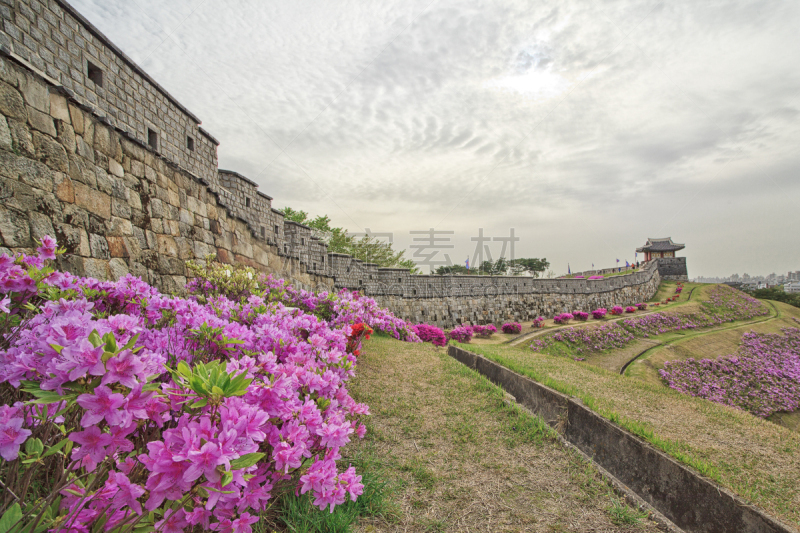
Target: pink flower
{"points": [[174, 523], [124, 368], [4, 303], [204, 462], [48, 248], [103, 404], [93, 444], [81, 358], [11, 436], [127, 493]]}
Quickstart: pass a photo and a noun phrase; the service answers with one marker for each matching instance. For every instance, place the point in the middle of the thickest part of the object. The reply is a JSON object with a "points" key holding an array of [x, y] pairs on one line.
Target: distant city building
{"points": [[657, 248], [793, 287]]}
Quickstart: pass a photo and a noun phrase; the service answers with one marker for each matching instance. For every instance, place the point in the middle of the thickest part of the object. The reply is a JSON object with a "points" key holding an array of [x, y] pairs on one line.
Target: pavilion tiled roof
{"points": [[661, 245]]}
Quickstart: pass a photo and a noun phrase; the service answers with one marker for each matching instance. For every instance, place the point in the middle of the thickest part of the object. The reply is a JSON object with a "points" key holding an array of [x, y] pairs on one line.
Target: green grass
{"points": [[622, 514]]}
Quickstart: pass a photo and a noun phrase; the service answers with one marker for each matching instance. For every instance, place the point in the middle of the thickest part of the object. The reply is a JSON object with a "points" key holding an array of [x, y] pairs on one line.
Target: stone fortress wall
{"points": [[96, 153]]}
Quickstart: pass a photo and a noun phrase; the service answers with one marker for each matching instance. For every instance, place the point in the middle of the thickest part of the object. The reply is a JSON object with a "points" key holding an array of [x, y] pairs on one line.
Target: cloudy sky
{"points": [[584, 126]]}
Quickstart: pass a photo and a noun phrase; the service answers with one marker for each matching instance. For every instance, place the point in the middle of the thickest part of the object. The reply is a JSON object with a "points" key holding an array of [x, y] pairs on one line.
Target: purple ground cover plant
{"points": [[762, 378], [149, 411]]}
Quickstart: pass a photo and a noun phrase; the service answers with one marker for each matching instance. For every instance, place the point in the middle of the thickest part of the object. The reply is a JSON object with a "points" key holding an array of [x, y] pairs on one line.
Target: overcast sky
{"points": [[584, 126]]}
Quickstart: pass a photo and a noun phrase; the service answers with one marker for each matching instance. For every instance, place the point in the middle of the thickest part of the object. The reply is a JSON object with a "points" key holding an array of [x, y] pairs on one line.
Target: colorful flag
{"points": [[617, 260], [467, 263], [568, 270]]}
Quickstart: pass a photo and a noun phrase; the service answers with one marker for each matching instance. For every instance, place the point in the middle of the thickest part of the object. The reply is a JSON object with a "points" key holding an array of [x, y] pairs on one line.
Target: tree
{"points": [[533, 265], [452, 269], [367, 248]]}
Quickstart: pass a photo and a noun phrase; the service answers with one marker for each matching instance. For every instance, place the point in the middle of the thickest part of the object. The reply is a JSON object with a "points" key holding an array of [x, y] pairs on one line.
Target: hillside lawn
{"points": [[458, 456], [755, 458]]}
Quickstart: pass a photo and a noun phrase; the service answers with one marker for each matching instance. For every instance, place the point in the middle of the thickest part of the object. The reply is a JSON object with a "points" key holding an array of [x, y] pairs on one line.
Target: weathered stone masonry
{"points": [[96, 153]]}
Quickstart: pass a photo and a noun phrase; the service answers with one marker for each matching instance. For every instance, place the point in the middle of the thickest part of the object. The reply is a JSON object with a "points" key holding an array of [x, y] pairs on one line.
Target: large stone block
{"points": [[66, 136], [77, 119], [42, 122], [96, 268], [92, 200], [5, 135], [50, 152], [21, 137], [14, 229], [59, 108], [119, 227], [167, 245], [11, 103], [34, 92], [40, 225], [118, 268]]}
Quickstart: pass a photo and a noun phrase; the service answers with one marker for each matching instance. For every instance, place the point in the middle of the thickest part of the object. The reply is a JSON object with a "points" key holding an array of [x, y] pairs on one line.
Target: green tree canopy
{"points": [[366, 248]]}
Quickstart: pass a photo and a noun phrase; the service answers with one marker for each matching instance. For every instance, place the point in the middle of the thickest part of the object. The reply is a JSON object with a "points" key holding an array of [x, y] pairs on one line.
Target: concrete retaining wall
{"points": [[689, 500]]}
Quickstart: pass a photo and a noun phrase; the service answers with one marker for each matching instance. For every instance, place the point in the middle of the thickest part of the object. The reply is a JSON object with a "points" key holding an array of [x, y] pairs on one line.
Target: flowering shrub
{"points": [[596, 277], [764, 377], [599, 338], [538, 322], [583, 316], [641, 306], [597, 314], [630, 309], [563, 318], [338, 309], [124, 408], [616, 310], [512, 327], [484, 331], [432, 334], [460, 334]]}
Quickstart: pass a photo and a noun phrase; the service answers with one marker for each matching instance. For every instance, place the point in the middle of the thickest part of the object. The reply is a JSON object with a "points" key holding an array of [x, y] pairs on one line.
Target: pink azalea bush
{"points": [[630, 309], [583, 316], [538, 322], [641, 306], [484, 331], [563, 318], [512, 327], [596, 277], [599, 313], [762, 378], [139, 409], [616, 310], [432, 334], [462, 334]]}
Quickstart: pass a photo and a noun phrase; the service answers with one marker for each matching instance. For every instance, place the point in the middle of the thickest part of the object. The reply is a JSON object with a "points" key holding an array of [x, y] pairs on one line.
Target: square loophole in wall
{"points": [[190, 143], [94, 73], [152, 139]]}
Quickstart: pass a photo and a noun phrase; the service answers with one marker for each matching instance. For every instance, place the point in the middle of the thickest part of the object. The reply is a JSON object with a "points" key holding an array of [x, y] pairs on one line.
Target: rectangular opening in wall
{"points": [[152, 139], [190, 143], [277, 232], [94, 73], [263, 232], [247, 202]]}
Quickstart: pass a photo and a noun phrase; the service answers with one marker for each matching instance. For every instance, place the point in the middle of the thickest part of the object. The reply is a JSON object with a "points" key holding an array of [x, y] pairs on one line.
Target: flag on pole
{"points": [[617, 260], [568, 270], [626, 264], [592, 265], [467, 263]]}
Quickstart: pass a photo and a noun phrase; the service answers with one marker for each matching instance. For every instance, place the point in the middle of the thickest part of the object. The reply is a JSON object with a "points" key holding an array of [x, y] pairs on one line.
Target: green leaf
{"points": [[95, 339], [10, 518], [57, 348], [111, 342], [216, 390], [227, 477], [129, 345], [246, 460], [55, 448], [212, 489], [34, 447], [184, 370], [199, 403]]}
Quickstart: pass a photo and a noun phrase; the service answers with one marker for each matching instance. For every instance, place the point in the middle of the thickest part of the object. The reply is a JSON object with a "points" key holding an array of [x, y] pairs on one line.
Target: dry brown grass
{"points": [[462, 458]]}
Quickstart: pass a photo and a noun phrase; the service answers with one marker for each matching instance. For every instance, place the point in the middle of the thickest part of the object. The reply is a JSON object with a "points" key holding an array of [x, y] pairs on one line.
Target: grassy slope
{"points": [[755, 458], [463, 459]]}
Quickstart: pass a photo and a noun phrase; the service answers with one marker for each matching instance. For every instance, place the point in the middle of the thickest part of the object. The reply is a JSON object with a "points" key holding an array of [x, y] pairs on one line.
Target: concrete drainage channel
{"points": [[687, 500]]}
